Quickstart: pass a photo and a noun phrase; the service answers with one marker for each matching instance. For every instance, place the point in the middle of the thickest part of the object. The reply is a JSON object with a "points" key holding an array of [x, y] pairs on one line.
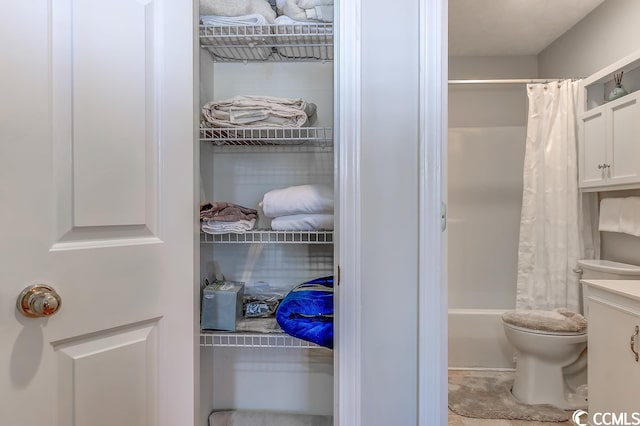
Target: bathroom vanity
{"points": [[614, 343]]}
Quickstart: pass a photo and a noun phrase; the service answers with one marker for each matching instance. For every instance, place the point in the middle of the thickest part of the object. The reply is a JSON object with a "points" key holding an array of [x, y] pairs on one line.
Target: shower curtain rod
{"points": [[511, 81]]}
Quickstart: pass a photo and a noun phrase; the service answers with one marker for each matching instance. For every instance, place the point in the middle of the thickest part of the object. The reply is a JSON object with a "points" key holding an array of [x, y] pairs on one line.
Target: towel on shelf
{"points": [[258, 111], [306, 4], [302, 39], [236, 37], [314, 12], [620, 215], [226, 212], [218, 20], [299, 199], [237, 8], [237, 227], [303, 222]]}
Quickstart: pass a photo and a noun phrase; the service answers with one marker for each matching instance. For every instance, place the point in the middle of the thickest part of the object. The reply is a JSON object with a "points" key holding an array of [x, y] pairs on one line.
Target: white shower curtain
{"points": [[550, 241]]}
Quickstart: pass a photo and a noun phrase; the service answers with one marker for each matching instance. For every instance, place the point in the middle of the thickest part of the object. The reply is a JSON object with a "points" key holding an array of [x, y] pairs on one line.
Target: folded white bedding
{"points": [[237, 227], [300, 199], [258, 111], [303, 222], [237, 8], [236, 37]]}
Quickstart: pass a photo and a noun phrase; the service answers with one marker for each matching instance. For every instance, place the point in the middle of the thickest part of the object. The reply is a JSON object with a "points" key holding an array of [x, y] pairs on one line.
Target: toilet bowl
{"points": [[551, 362], [542, 357]]}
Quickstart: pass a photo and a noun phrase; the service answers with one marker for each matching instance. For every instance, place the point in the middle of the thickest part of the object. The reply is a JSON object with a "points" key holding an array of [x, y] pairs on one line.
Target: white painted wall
{"points": [[606, 35]]}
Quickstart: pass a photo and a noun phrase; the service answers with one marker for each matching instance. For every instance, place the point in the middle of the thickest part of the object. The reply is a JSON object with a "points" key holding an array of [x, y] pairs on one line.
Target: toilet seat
{"points": [[544, 332], [560, 321]]}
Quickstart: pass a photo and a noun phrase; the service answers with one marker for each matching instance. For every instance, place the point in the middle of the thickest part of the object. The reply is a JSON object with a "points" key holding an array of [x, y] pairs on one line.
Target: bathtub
{"points": [[477, 340]]}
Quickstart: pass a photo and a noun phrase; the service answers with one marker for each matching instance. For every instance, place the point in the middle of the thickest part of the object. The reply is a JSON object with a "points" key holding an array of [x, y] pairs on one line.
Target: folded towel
{"points": [[300, 199], [620, 215], [258, 111], [292, 9], [237, 8], [217, 20], [237, 227], [226, 212], [303, 222], [306, 4]]}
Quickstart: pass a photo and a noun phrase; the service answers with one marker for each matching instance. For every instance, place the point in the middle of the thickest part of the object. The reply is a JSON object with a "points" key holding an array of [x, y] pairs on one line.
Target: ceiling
{"points": [[511, 27]]}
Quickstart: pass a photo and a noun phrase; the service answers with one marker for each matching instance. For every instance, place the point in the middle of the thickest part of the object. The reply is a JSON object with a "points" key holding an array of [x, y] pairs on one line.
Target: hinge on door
{"points": [[443, 216], [338, 274]]}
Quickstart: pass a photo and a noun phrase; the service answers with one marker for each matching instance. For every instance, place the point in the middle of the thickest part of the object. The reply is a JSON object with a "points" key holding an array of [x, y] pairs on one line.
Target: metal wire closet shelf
{"points": [[266, 236], [273, 42], [267, 136], [255, 340]]}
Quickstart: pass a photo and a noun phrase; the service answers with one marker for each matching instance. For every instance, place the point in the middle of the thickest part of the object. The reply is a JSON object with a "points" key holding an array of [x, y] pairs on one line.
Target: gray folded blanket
{"points": [[258, 111], [226, 212]]}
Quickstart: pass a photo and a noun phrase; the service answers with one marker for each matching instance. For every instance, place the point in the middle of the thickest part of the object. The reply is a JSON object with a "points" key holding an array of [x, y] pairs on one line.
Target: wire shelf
{"points": [[261, 136], [265, 236], [273, 42], [254, 340]]}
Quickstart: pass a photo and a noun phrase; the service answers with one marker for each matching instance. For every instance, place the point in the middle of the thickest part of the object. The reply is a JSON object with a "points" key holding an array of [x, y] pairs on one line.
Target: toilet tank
{"points": [[595, 269]]}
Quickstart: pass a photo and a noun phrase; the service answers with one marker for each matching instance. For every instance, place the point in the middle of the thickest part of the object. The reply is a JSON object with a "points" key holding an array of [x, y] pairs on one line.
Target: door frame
{"points": [[432, 286]]}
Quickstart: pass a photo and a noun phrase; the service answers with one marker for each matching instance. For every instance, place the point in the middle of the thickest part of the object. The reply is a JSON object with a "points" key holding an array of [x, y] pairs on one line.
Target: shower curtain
{"points": [[550, 240]]}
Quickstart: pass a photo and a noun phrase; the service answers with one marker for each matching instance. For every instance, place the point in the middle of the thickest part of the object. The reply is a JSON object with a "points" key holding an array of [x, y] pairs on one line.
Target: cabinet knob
{"points": [[632, 343], [600, 166]]}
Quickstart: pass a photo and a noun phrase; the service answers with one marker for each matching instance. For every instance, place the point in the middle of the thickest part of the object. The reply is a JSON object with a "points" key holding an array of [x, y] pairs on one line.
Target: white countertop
{"points": [[627, 288]]}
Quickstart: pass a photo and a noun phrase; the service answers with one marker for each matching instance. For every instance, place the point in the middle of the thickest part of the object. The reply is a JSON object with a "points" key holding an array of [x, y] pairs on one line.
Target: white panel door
{"points": [[97, 201], [624, 150], [592, 150]]}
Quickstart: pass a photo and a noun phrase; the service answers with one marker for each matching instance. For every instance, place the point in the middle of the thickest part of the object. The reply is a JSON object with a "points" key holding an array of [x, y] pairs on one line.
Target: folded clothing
{"points": [[226, 212], [258, 111], [306, 312], [620, 215], [237, 227], [299, 199], [301, 39], [303, 222], [237, 8], [225, 40]]}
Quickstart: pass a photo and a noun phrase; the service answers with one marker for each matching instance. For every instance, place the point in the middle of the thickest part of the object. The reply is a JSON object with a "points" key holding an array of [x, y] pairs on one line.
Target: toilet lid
{"points": [[559, 320]]}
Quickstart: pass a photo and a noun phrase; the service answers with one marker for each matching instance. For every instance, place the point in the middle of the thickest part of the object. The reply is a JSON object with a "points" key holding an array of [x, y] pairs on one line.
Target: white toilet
{"points": [[551, 346]]}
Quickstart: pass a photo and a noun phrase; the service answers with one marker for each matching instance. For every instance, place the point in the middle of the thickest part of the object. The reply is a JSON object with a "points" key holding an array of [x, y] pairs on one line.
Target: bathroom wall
{"points": [[606, 35]]}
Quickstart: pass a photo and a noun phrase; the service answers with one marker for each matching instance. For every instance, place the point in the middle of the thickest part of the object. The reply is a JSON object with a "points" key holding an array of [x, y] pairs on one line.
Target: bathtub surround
{"points": [[549, 235], [487, 395]]}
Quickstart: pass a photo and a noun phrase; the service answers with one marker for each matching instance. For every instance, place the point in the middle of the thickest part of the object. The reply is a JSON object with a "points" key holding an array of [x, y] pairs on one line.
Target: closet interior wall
{"points": [[266, 378]]}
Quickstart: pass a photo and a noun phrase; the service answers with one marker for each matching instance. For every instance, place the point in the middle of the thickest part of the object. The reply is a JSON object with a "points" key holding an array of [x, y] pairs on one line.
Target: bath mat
{"points": [[487, 395]]}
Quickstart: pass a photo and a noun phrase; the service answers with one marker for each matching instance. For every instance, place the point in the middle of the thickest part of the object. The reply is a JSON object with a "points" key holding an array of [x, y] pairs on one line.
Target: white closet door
{"points": [[96, 175]]}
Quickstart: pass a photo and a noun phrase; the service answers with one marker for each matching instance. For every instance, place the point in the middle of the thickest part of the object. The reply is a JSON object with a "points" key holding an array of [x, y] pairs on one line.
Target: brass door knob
{"points": [[38, 300]]}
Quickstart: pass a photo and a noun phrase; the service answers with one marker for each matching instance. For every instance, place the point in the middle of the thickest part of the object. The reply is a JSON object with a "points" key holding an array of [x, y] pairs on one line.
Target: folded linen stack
{"points": [[225, 218], [235, 29], [299, 208], [620, 215], [258, 111], [306, 10]]}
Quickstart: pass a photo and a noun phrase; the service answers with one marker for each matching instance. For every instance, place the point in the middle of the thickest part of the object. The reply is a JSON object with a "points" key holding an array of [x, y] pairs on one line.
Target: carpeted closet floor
{"points": [[457, 420]]}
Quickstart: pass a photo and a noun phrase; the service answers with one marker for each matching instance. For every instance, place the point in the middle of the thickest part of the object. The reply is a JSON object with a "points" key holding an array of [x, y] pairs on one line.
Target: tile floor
{"points": [[456, 420]]}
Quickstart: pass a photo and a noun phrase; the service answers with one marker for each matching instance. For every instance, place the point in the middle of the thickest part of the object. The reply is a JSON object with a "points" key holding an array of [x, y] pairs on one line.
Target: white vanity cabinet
{"points": [[613, 366], [609, 131]]}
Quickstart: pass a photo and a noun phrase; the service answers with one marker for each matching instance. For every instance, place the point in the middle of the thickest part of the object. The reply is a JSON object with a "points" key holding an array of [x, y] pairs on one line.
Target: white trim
{"points": [[432, 288], [347, 69]]}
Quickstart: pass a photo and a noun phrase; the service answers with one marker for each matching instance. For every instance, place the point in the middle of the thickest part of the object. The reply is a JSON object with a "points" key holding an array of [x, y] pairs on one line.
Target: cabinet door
{"points": [[613, 371], [592, 150], [624, 151]]}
